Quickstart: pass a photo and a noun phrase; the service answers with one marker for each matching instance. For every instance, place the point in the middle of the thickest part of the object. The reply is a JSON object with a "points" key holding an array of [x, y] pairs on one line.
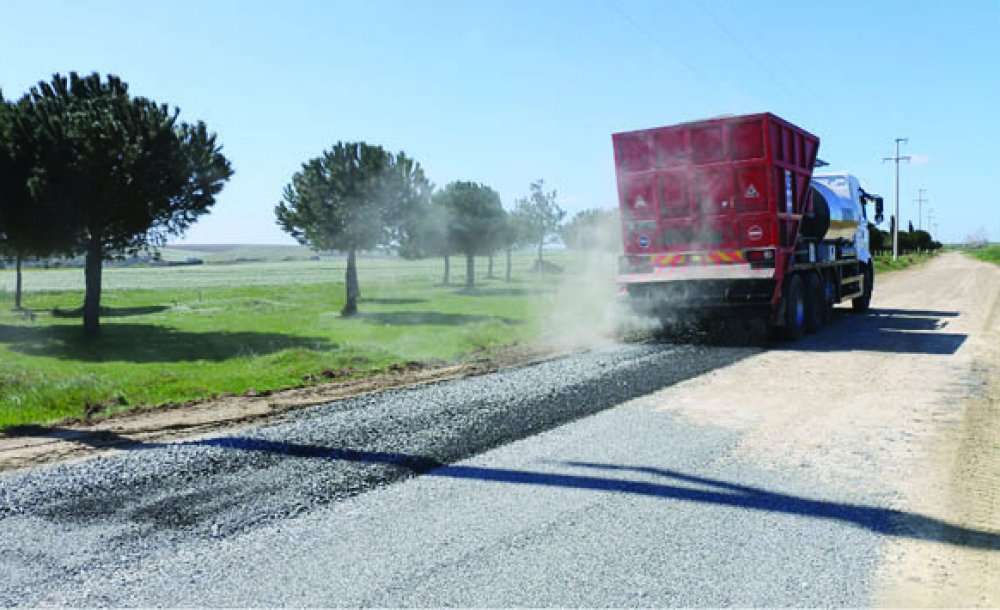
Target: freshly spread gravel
{"points": [[62, 521]]}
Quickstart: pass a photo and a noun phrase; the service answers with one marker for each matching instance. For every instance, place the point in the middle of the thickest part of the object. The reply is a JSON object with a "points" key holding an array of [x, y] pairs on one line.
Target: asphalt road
{"points": [[65, 525], [593, 480]]}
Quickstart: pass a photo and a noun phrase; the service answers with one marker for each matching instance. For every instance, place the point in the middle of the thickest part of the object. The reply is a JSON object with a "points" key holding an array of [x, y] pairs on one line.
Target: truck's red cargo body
{"points": [[721, 222], [713, 189]]}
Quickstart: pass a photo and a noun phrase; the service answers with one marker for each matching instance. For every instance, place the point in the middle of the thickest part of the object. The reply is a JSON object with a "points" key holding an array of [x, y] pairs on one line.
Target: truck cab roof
{"points": [[844, 184]]}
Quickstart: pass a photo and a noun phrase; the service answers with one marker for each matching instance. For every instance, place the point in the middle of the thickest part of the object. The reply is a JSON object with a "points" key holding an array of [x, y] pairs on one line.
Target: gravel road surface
{"points": [[597, 479]]}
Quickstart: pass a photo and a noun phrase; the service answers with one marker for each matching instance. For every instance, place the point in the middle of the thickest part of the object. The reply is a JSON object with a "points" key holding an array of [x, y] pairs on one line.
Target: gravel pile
{"points": [[164, 493]]}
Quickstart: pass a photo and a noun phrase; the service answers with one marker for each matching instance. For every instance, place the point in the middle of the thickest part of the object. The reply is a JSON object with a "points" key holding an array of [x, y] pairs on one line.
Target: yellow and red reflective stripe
{"points": [[711, 257]]}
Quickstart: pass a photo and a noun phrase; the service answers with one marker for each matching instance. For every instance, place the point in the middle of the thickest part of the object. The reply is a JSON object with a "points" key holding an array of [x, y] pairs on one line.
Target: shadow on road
{"points": [[883, 521], [98, 439], [902, 331]]}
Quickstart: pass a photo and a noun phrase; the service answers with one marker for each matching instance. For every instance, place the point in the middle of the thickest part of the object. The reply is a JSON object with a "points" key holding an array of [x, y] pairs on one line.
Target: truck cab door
{"points": [[861, 237]]}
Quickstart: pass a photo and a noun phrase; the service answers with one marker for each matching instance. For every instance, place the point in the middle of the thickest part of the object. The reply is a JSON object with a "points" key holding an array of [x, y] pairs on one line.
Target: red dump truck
{"points": [[725, 219]]}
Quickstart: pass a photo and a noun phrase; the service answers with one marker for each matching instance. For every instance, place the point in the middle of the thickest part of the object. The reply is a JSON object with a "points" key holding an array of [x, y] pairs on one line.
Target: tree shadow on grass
{"points": [[403, 301], [430, 318], [503, 292], [144, 343], [111, 312]]}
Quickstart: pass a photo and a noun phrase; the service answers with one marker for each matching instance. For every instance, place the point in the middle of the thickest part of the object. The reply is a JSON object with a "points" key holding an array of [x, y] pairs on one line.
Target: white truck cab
{"points": [[844, 200]]}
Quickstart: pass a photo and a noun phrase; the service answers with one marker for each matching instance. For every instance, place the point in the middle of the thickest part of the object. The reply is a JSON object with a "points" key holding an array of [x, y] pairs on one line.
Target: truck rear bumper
{"points": [[667, 297], [697, 272]]}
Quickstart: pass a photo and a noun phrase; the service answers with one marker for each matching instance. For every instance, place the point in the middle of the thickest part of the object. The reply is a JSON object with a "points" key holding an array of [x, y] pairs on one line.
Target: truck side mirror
{"points": [[879, 209]]}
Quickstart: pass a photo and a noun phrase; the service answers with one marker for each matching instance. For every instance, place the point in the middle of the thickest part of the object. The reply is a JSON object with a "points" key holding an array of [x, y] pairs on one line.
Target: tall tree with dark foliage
{"points": [[353, 197], [476, 221], [120, 173]]}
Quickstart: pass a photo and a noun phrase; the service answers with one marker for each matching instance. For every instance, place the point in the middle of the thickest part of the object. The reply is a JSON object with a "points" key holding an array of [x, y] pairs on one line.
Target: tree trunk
{"points": [[351, 285], [447, 270], [508, 265], [540, 244], [489, 267], [470, 270], [18, 285], [92, 297]]}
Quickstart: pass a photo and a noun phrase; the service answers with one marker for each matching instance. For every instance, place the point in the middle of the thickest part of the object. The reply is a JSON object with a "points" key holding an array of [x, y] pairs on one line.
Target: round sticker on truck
{"points": [[643, 241], [755, 233]]}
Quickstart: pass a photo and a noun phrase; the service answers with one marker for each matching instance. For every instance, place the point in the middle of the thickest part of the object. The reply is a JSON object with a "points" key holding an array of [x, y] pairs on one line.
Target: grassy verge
{"points": [[172, 344], [884, 262], [990, 254]]}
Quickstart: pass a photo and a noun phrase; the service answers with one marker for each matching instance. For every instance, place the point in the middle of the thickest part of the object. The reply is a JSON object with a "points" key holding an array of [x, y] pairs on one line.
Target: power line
{"points": [[920, 200], [655, 41], [745, 49], [895, 227]]}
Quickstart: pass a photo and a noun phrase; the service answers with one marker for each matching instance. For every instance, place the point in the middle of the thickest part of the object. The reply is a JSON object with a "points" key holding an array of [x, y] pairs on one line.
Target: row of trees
{"points": [[357, 197], [909, 241], [88, 169]]}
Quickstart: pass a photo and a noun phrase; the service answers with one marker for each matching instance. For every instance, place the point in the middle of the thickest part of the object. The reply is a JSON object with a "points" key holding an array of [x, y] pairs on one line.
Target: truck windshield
{"points": [[838, 184]]}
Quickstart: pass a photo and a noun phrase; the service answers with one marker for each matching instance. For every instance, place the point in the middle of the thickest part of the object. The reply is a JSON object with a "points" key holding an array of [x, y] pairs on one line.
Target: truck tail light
{"points": [[760, 259]]}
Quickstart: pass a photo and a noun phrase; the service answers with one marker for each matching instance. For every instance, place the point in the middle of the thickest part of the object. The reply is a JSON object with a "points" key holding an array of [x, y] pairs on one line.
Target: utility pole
{"points": [[920, 200], [895, 230], [930, 221]]}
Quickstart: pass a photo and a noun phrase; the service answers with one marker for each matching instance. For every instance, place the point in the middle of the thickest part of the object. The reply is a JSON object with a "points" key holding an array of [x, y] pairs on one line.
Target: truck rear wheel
{"points": [[863, 302], [794, 309], [815, 298]]}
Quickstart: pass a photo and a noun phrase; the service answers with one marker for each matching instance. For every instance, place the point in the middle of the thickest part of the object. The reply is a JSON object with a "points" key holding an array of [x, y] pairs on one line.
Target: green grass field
{"points": [[884, 262], [177, 334], [990, 254]]}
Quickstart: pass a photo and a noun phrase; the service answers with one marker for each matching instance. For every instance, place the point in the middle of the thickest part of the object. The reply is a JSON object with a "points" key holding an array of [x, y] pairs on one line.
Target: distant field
{"points": [[176, 334], [330, 269], [226, 253]]}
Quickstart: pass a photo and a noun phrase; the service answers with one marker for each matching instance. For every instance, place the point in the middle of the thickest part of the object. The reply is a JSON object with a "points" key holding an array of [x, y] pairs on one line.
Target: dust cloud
{"points": [[583, 309]]}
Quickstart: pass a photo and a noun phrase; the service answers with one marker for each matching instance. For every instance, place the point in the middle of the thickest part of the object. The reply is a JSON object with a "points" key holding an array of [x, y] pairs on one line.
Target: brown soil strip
{"points": [[27, 446]]}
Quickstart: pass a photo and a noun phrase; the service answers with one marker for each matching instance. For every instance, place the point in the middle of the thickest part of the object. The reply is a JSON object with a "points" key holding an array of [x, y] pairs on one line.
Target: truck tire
{"points": [[815, 297], [863, 302], [794, 304]]}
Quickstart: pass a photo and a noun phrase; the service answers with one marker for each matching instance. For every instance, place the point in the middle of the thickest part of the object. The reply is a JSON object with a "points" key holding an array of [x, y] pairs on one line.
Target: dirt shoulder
{"points": [[28, 446], [956, 477], [902, 404]]}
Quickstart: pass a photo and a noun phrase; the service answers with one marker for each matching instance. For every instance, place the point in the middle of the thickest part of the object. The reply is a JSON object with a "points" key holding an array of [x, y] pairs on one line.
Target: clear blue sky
{"points": [[507, 92]]}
